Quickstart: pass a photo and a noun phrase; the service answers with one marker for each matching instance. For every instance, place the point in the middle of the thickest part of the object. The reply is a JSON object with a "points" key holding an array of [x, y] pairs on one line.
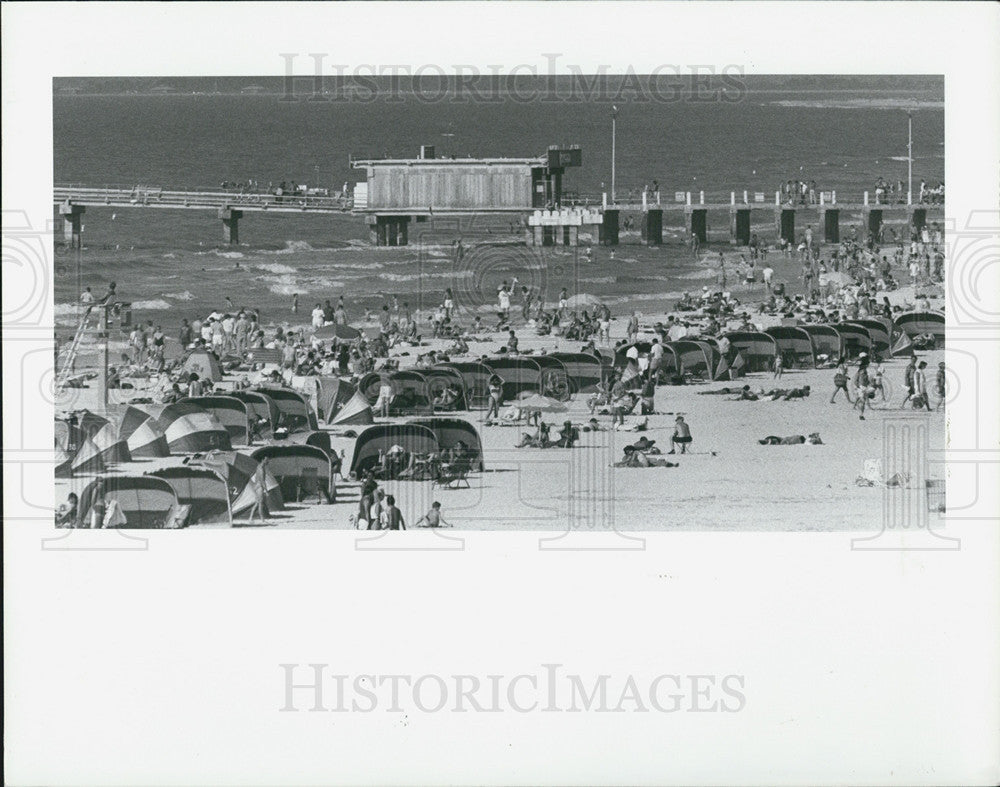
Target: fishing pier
{"points": [[399, 192]]}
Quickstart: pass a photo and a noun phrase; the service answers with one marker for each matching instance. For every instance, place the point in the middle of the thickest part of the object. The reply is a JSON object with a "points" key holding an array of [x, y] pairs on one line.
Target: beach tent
{"points": [[292, 464], [317, 438], [63, 462], [263, 408], [449, 431], [903, 346], [583, 370], [758, 349], [669, 364], [794, 344], [413, 438], [63, 438], [148, 441], [189, 428], [72, 431], [880, 332], [201, 488], [826, 341], [606, 356], [356, 411], [204, 364], [87, 458], [370, 383], [231, 412], [441, 378], [332, 393], [921, 324], [476, 377], [146, 501], [295, 412], [856, 338], [237, 469], [411, 393], [555, 378], [517, 374], [112, 447], [699, 359]]}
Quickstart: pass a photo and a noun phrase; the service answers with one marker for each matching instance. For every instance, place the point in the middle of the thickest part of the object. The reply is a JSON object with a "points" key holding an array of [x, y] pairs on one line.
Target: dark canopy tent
{"points": [[319, 439], [263, 408], [794, 344], [476, 377], [296, 413], [585, 371], [518, 375], [555, 377], [413, 438], [292, 464], [880, 332], [202, 489], [146, 501], [856, 339], [918, 324], [826, 341], [231, 412], [370, 383], [758, 349], [439, 379], [699, 359], [449, 431], [411, 393]]}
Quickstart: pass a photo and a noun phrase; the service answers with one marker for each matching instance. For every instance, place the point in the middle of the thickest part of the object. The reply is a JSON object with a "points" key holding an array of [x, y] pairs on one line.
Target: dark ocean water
{"points": [[172, 264]]}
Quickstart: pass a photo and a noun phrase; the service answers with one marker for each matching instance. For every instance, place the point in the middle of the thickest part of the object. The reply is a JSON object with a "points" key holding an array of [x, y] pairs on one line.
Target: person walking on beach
{"points": [[449, 303], [295, 303], [908, 375], [941, 384], [768, 275], [778, 365], [496, 394], [186, 334], [259, 482], [862, 387], [840, 379], [920, 386], [392, 517]]}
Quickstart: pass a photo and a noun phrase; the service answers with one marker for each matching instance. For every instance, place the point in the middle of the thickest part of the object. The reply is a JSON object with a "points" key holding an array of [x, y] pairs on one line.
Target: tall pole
{"points": [[909, 159], [614, 130]]}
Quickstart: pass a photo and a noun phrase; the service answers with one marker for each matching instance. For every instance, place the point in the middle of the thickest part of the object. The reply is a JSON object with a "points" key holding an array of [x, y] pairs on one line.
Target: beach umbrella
{"points": [[336, 331], [541, 404]]}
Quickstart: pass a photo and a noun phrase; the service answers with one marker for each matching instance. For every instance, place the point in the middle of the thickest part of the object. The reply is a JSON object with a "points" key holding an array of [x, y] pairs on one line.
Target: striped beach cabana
{"points": [[794, 344], [758, 349], [828, 343], [232, 413], [476, 377], [191, 429]]}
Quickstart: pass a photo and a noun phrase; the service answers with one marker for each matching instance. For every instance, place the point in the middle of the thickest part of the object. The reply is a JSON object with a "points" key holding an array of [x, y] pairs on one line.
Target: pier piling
{"points": [[230, 225], [72, 223]]}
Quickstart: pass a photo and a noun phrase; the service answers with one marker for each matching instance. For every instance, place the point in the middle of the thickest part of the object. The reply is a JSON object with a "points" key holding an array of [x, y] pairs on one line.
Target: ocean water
{"points": [[172, 264]]}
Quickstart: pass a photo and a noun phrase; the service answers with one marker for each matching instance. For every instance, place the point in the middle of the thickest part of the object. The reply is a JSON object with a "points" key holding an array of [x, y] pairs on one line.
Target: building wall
{"points": [[465, 187]]}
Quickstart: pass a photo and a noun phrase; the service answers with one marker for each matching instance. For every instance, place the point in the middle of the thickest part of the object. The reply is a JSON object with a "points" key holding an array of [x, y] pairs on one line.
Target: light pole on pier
{"points": [[614, 129], [909, 159]]}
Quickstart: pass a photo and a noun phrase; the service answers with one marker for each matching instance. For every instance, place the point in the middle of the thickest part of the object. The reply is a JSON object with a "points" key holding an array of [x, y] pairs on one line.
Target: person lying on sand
{"points": [[786, 394], [634, 458], [796, 439]]}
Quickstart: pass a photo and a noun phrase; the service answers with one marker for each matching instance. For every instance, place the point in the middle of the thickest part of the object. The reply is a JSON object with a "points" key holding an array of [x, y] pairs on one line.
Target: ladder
{"points": [[93, 319]]}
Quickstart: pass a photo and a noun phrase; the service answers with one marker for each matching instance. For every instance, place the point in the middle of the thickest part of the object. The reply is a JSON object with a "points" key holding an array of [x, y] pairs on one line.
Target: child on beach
{"points": [[840, 379], [432, 518]]}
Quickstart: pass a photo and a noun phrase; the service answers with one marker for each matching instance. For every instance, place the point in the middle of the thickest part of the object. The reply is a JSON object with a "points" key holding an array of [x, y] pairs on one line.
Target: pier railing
{"points": [[157, 197]]}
